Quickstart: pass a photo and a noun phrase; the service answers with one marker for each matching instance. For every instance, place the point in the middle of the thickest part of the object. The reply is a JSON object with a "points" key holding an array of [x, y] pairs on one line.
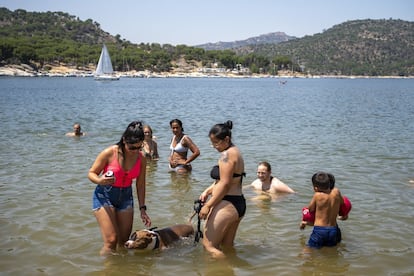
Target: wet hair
{"points": [[134, 133], [178, 122], [266, 164], [221, 131], [321, 180], [332, 180]]}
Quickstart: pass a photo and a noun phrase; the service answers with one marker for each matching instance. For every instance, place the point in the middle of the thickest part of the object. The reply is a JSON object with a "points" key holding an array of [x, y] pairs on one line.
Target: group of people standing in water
{"points": [[222, 203]]}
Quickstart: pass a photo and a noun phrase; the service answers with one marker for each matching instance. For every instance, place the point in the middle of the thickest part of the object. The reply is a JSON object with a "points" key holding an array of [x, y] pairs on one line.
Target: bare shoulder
{"points": [[277, 181], [232, 153], [321, 197], [335, 192], [224, 157], [256, 184], [186, 139], [107, 152]]}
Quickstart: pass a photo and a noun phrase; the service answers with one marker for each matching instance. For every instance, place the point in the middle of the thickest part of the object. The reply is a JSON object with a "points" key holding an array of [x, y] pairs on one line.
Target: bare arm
{"points": [[280, 187], [312, 204], [207, 192], [221, 188], [312, 208], [141, 189], [97, 167], [155, 154], [194, 149]]}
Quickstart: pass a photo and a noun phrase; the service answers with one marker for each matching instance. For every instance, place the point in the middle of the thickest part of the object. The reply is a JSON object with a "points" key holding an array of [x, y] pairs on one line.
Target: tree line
{"points": [[359, 47], [41, 39]]}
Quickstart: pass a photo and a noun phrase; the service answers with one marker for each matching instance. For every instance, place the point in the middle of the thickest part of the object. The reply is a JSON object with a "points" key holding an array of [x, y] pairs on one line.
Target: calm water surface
{"points": [[360, 130]]}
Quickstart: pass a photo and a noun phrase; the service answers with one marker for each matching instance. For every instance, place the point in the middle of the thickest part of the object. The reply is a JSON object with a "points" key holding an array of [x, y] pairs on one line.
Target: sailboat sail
{"points": [[104, 68]]}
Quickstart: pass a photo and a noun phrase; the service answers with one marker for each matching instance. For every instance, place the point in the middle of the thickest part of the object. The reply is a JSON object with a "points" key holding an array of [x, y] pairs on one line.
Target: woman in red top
{"points": [[113, 171]]}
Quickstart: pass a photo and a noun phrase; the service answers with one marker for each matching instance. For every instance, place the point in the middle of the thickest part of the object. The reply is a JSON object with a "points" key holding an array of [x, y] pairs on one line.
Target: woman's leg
{"points": [[106, 218], [230, 235], [220, 221], [125, 220]]}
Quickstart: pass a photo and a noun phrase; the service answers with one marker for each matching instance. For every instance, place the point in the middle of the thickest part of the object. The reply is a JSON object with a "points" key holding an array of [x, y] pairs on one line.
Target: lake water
{"points": [[361, 130]]}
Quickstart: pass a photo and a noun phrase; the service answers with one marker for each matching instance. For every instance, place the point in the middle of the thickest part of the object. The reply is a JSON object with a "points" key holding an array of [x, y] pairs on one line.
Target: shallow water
{"points": [[360, 130]]}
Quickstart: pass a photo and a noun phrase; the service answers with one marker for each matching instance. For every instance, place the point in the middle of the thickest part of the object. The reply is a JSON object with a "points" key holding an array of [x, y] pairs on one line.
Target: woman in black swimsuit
{"points": [[226, 204]]}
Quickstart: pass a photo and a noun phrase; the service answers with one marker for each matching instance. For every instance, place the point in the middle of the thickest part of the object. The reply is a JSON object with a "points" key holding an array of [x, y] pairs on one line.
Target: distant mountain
{"points": [[270, 38]]}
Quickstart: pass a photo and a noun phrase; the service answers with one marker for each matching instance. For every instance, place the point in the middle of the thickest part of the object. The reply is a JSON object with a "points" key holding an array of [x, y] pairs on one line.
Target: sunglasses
{"points": [[216, 144], [130, 147]]}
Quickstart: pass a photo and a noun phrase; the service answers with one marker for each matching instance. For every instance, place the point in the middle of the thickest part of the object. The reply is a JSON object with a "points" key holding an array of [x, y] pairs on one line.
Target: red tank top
{"points": [[123, 179]]}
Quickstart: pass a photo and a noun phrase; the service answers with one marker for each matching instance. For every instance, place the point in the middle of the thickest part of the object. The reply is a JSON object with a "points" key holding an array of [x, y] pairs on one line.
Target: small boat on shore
{"points": [[104, 70]]}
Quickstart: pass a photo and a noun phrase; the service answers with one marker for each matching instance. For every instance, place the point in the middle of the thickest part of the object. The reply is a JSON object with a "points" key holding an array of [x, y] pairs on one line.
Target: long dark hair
{"points": [[221, 131], [134, 133], [178, 122]]}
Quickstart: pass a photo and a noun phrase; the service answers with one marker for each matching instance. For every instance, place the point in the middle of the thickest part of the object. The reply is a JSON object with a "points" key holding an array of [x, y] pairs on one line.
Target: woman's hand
{"points": [[145, 218], [205, 210], [105, 180], [204, 196]]}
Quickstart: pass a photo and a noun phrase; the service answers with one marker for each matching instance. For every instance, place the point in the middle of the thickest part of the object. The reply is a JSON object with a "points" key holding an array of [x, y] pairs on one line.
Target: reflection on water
{"points": [[359, 130]]}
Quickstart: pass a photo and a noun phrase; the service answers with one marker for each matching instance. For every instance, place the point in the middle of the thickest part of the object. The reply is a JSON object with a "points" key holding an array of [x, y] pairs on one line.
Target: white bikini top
{"points": [[179, 147]]}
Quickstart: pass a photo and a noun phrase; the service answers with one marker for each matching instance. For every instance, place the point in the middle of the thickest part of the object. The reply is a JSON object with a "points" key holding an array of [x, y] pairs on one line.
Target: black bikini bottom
{"points": [[239, 202]]}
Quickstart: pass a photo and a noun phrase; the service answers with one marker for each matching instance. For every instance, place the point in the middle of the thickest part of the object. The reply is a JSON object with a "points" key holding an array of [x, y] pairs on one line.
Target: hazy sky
{"points": [[193, 22]]}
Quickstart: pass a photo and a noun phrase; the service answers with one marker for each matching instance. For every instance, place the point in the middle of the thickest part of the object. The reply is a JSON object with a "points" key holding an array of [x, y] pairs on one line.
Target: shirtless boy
{"points": [[325, 203]]}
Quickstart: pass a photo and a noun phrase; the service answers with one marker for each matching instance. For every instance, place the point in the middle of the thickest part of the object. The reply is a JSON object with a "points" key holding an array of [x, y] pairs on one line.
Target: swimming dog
{"points": [[153, 239]]}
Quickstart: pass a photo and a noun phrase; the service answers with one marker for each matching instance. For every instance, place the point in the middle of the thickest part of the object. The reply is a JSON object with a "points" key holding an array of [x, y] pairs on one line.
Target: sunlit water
{"points": [[361, 130]]}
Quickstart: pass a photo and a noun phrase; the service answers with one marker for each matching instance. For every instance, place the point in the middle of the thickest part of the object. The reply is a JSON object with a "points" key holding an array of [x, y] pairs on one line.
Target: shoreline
{"points": [[63, 71]]}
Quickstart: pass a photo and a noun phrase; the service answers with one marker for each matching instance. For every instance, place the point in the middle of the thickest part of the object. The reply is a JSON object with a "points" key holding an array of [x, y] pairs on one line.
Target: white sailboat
{"points": [[104, 70]]}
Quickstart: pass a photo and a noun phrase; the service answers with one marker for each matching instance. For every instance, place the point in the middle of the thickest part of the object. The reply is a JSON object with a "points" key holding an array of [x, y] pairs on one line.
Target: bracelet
{"points": [[143, 207]]}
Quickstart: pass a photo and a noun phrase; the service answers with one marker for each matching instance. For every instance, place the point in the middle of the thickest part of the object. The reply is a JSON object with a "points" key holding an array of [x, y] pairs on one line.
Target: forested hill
{"points": [[361, 47], [57, 25]]}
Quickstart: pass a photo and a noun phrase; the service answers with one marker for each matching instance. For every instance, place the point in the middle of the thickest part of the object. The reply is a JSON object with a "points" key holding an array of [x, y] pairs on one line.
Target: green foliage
{"points": [[360, 47]]}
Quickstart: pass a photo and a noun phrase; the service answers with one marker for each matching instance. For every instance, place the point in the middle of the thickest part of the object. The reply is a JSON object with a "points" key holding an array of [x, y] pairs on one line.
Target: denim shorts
{"points": [[107, 195]]}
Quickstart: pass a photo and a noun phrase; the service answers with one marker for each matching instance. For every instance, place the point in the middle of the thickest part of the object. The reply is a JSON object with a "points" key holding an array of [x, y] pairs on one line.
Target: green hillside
{"points": [[360, 47]]}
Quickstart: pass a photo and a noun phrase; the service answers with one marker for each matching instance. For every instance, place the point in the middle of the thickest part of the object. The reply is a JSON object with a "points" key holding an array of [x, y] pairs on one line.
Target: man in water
{"points": [[76, 131]]}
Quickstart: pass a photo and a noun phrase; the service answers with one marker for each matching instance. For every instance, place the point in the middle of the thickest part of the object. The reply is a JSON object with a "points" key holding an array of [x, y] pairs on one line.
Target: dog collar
{"points": [[155, 239]]}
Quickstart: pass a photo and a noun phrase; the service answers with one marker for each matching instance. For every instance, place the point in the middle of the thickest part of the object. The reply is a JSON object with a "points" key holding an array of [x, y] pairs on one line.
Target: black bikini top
{"points": [[215, 173]]}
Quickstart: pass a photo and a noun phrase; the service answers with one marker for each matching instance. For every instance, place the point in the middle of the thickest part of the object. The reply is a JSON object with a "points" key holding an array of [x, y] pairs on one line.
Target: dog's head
{"points": [[143, 240]]}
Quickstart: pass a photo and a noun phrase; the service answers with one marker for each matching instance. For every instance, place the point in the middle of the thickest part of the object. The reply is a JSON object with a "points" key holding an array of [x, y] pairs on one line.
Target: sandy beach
{"points": [[25, 70]]}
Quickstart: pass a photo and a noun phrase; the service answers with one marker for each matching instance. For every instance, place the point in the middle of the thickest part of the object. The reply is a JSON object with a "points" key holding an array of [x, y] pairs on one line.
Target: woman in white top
{"points": [[180, 144]]}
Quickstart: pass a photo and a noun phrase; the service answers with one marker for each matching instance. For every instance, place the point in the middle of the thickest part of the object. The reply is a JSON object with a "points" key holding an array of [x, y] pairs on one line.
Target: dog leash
{"points": [[198, 204]]}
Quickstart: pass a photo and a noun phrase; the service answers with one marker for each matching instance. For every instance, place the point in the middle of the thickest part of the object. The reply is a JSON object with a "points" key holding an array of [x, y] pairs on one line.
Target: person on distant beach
{"points": [[265, 182], [326, 204], [149, 147], [113, 171], [223, 203], [180, 144], [77, 132]]}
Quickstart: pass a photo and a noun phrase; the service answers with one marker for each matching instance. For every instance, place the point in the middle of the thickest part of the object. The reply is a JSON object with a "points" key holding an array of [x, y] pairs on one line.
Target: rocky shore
{"points": [[24, 70]]}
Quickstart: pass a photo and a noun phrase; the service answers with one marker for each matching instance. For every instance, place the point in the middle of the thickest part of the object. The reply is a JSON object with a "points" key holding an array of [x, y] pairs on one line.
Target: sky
{"points": [[193, 22]]}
